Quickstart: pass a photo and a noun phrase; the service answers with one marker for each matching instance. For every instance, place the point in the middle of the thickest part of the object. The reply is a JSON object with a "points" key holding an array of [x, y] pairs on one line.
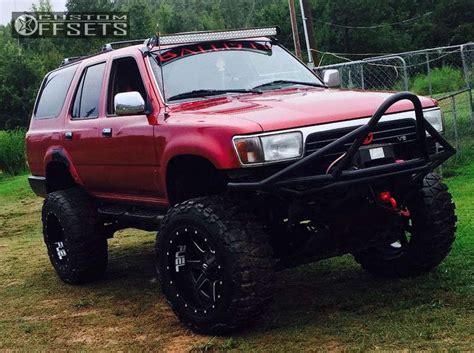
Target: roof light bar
{"points": [[193, 37]]}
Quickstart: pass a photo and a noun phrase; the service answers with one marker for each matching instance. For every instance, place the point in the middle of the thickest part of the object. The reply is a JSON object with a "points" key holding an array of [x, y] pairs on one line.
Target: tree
{"points": [[20, 77]]}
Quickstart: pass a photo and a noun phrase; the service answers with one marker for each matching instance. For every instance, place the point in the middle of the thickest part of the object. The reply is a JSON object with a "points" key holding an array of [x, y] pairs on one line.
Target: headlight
{"points": [[269, 148], [435, 118]]}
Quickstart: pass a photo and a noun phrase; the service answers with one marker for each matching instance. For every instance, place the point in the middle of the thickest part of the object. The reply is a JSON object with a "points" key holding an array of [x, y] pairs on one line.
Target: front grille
{"points": [[397, 131]]}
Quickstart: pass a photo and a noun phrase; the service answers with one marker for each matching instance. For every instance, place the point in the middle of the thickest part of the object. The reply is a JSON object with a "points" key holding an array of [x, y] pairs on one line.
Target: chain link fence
{"points": [[444, 73]]}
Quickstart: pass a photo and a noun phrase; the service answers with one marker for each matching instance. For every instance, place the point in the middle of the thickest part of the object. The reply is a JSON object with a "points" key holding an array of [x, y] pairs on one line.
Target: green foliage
{"points": [[20, 77], [444, 79], [12, 152], [459, 107], [438, 23]]}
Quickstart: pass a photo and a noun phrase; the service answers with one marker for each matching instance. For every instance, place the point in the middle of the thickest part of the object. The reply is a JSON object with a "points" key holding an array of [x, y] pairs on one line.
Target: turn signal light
{"points": [[249, 150]]}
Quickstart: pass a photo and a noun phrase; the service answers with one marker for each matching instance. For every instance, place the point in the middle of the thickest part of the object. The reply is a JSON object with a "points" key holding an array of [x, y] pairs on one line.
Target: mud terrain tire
{"points": [[223, 241], [433, 233], [72, 233]]}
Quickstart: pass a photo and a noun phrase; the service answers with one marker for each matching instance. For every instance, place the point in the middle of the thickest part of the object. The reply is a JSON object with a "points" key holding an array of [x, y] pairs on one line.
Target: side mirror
{"points": [[129, 103], [332, 78]]}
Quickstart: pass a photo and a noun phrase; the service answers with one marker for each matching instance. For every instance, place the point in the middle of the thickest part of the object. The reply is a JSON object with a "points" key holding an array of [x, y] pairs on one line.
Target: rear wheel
{"points": [[214, 264], [424, 241], [72, 234]]}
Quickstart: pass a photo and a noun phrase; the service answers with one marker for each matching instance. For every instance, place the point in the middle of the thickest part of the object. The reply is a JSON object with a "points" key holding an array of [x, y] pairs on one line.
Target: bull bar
{"points": [[281, 183]]}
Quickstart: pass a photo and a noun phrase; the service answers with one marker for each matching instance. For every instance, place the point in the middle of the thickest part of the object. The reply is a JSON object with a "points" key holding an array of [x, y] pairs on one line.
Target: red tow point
{"points": [[385, 196], [368, 140]]}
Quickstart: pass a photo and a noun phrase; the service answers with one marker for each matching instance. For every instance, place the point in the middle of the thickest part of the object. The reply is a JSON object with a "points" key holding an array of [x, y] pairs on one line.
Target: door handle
{"points": [[68, 135], [107, 132]]}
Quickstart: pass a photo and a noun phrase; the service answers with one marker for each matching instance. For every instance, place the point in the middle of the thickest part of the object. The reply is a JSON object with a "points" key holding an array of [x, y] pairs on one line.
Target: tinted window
{"points": [[87, 98], [54, 92], [124, 77], [227, 65]]}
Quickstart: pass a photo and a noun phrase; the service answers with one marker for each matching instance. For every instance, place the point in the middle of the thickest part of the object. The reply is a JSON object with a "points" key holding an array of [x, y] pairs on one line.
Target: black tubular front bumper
{"points": [[285, 183]]}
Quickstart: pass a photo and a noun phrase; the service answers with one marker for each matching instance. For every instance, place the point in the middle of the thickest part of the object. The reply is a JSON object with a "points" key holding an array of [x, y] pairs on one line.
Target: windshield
{"points": [[227, 66]]}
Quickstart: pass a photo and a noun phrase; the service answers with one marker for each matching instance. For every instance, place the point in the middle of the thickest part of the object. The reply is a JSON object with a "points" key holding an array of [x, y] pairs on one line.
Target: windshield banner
{"points": [[169, 55]]}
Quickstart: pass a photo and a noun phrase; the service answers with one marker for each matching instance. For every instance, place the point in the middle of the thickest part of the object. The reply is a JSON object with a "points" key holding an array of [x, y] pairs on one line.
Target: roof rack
{"points": [[67, 61], [110, 46], [105, 48]]}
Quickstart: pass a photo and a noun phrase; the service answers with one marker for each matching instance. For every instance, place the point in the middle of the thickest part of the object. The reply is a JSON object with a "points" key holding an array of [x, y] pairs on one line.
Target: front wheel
{"points": [[426, 239], [214, 264]]}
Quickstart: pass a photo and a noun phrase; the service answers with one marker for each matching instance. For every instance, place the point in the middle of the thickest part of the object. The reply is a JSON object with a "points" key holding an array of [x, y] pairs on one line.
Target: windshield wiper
{"points": [[284, 82], [210, 92]]}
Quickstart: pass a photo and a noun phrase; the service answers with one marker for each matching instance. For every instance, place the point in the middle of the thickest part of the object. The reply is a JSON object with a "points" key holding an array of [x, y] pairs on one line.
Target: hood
{"points": [[296, 107]]}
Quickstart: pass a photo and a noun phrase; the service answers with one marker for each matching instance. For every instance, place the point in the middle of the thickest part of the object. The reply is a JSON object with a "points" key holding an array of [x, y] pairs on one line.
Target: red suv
{"points": [[243, 160]]}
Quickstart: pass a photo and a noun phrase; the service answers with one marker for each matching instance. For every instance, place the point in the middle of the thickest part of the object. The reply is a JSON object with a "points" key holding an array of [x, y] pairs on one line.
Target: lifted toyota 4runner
{"points": [[243, 160]]}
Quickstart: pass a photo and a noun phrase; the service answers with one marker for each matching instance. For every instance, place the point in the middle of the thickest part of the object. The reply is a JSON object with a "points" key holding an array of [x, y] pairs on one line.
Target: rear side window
{"points": [[53, 93], [87, 98]]}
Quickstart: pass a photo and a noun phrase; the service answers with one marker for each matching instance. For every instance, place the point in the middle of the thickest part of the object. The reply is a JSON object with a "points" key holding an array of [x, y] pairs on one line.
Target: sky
{"points": [[9, 6]]}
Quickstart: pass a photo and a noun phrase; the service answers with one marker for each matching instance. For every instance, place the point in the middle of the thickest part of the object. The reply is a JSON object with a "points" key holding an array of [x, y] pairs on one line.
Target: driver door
{"points": [[127, 142]]}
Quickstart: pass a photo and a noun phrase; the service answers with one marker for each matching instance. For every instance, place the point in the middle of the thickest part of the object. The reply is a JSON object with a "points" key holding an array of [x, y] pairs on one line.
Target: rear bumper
{"points": [[291, 183], [38, 185]]}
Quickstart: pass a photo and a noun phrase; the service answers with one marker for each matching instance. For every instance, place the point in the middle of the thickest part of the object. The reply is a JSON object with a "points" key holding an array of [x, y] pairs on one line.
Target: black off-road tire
{"points": [[433, 233], [76, 246], [230, 240]]}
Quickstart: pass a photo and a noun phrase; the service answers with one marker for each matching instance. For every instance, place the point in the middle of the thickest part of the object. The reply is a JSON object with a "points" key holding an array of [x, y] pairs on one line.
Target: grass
{"points": [[330, 305], [12, 152], [443, 79], [465, 130]]}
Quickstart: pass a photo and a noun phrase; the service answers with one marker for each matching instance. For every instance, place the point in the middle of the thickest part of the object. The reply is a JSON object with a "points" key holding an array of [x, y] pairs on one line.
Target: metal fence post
{"points": [[467, 78], [455, 125], [405, 73], [428, 71], [362, 82], [465, 66]]}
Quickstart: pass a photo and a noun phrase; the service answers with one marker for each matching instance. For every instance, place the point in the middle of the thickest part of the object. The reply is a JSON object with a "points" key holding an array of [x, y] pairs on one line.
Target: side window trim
{"points": [[79, 91], [80, 86], [112, 74]]}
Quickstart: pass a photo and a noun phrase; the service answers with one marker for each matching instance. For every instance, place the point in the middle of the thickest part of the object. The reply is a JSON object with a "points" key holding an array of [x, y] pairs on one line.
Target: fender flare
{"points": [[59, 154]]}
